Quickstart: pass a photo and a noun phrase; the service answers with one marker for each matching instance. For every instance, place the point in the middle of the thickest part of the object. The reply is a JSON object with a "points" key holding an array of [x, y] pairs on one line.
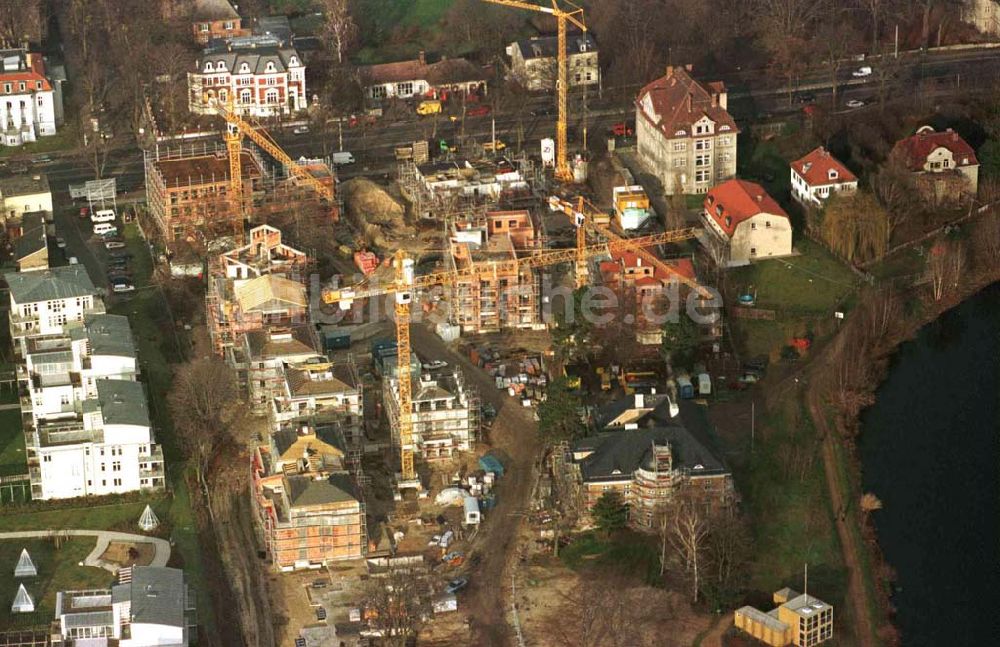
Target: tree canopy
{"points": [[610, 512], [680, 339], [558, 414]]}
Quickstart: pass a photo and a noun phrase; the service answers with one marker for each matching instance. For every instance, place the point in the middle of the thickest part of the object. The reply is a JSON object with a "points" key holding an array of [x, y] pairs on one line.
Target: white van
{"points": [[105, 228], [103, 215], [340, 159]]}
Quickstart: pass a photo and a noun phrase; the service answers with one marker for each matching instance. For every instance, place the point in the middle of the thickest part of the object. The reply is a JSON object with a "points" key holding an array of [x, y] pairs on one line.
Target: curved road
{"points": [[161, 547]]}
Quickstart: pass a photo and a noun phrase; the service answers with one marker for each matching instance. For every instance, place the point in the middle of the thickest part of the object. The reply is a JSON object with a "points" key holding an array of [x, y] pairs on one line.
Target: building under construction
{"points": [[495, 299], [190, 192], [446, 414]]}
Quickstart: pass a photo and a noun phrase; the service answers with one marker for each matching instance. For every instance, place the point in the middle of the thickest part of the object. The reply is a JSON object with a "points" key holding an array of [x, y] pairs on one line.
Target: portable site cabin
{"points": [[685, 390], [472, 514], [704, 384]]}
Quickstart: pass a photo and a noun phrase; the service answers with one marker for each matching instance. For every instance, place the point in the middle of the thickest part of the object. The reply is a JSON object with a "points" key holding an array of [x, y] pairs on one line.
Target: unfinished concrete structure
{"points": [[308, 498], [265, 353], [255, 287], [318, 391], [445, 414], [461, 190], [494, 300]]}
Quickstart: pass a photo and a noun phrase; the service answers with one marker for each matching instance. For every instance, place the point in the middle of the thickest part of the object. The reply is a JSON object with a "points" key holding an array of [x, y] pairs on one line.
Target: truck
{"points": [[431, 107], [342, 158]]}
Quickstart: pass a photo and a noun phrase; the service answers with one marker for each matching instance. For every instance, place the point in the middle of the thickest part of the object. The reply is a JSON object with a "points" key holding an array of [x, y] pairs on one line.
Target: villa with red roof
{"points": [[743, 223], [27, 104], [684, 135], [944, 163], [819, 175]]}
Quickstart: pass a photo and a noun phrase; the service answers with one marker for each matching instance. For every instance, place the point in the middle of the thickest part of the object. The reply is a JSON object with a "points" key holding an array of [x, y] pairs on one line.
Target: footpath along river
{"points": [[930, 449]]}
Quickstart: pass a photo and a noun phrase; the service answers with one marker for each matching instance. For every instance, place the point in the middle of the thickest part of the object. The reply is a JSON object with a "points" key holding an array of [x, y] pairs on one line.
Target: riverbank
{"points": [[843, 378]]}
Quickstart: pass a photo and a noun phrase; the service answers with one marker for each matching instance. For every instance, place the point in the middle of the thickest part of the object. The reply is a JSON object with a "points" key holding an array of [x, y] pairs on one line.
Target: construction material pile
{"points": [[374, 213]]}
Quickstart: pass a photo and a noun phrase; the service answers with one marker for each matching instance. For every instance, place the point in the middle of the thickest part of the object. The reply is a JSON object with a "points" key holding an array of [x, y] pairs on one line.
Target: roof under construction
{"points": [[203, 169], [270, 292]]}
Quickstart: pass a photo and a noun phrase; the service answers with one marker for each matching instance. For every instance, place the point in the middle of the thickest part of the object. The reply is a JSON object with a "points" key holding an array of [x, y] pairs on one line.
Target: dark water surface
{"points": [[930, 447]]}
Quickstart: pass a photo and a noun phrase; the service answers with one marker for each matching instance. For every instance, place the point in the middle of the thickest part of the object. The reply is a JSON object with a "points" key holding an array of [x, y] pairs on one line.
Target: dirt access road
{"points": [[515, 433]]}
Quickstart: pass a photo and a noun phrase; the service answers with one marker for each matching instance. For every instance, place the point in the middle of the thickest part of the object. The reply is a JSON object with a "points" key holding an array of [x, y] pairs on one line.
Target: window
{"points": [[680, 146], [724, 141], [244, 68], [269, 67], [271, 97], [38, 85], [228, 25], [118, 482], [767, 224], [245, 96], [702, 175], [64, 399], [753, 225], [404, 89], [208, 66], [680, 162], [221, 66], [703, 145], [116, 466], [47, 458], [702, 160], [753, 251], [20, 87], [203, 27], [6, 88]]}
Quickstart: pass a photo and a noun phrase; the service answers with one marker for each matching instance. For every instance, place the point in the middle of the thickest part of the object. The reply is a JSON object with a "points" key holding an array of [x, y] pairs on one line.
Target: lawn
{"points": [[626, 552], [58, 570], [12, 457], [64, 139], [115, 516], [811, 283]]}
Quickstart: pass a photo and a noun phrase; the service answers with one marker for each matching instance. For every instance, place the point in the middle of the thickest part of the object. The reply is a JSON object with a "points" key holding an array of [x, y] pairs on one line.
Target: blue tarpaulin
{"points": [[490, 463]]}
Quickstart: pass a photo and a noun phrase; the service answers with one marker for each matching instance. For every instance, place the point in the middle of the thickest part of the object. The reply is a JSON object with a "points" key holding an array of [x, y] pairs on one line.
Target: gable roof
{"points": [[914, 149], [734, 201], [32, 238], [675, 101], [449, 70], [815, 168], [270, 290], [305, 491], [66, 282], [157, 596], [213, 10], [292, 445], [617, 454]]}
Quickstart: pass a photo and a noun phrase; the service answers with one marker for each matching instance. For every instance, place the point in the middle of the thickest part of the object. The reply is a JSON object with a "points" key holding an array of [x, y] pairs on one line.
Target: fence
{"points": [[753, 313]]}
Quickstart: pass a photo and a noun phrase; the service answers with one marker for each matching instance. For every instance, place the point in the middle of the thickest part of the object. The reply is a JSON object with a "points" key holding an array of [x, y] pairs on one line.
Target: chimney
{"points": [[689, 67], [690, 99], [715, 99], [760, 197], [670, 71], [421, 58], [640, 401]]}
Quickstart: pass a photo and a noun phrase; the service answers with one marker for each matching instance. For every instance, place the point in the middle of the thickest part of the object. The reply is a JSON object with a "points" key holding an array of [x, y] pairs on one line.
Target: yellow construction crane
{"points": [[563, 16], [588, 217], [236, 129], [403, 286]]}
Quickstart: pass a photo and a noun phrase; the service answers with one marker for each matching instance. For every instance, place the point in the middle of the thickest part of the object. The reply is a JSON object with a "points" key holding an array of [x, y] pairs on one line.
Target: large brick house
{"points": [[684, 134], [215, 19]]}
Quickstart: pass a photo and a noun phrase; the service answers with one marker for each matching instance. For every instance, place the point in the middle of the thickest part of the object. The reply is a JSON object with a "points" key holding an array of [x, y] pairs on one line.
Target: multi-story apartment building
{"points": [[943, 163], [107, 447], [318, 390], [534, 64], [265, 354], [149, 606], [215, 20], [21, 194], [43, 302], [189, 193], [309, 506], [819, 175], [445, 414], [798, 619], [648, 457], [262, 77], [504, 297], [684, 134], [27, 99]]}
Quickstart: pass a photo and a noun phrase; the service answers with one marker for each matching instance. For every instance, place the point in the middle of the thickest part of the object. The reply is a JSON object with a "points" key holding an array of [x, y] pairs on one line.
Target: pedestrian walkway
{"points": [[161, 547]]}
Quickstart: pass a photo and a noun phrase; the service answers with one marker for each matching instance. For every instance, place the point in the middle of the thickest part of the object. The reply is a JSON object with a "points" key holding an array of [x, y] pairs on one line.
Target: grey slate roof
{"points": [[256, 59], [547, 46], [46, 285], [157, 595], [214, 10], [23, 184], [108, 335], [122, 402], [619, 453], [304, 491], [32, 238]]}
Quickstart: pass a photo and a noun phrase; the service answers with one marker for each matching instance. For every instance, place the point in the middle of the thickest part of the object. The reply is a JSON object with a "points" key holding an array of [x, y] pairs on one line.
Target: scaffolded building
{"points": [[446, 414]]}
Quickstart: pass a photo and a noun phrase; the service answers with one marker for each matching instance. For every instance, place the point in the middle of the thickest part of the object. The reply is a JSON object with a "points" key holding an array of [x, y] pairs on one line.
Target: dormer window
{"points": [[965, 160], [244, 68], [833, 175], [729, 221], [724, 127], [680, 133], [293, 61], [269, 67], [221, 66], [208, 66]]}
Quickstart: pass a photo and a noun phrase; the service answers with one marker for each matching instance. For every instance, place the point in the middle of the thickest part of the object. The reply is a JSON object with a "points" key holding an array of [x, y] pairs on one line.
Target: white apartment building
{"points": [[21, 194], [108, 448], [817, 176], [261, 77], [684, 135], [27, 101], [44, 302], [534, 62], [149, 606], [445, 414]]}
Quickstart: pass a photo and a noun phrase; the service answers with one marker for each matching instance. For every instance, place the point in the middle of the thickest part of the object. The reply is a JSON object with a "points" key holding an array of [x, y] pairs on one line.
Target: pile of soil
{"points": [[374, 213]]}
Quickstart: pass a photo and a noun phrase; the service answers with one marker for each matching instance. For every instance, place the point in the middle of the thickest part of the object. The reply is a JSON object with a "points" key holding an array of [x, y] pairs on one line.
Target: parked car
{"points": [[477, 111], [429, 108], [60, 242], [18, 169], [103, 215], [862, 72], [301, 130], [120, 253], [121, 285], [84, 212], [114, 244], [321, 583], [806, 97], [320, 613], [622, 129], [42, 159], [456, 585], [342, 158], [436, 364], [361, 120], [494, 146], [855, 103], [105, 229]]}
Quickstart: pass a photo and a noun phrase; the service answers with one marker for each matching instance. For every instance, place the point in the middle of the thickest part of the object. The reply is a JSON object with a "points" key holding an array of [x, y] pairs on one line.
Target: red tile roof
{"points": [[678, 101], [612, 270], [451, 70], [816, 166], [734, 201], [30, 77], [914, 149]]}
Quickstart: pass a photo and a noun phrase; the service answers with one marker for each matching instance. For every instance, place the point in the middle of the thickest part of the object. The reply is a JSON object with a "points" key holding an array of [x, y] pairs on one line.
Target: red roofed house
{"points": [[27, 106], [818, 175], [684, 134], [944, 163], [417, 78], [744, 223]]}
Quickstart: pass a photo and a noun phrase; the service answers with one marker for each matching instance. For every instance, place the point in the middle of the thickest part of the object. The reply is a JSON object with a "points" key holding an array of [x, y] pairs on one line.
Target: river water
{"points": [[930, 447]]}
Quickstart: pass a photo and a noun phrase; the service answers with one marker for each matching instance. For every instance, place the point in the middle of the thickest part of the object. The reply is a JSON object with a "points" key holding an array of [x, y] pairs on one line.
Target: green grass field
{"points": [[627, 552], [58, 570], [12, 456]]}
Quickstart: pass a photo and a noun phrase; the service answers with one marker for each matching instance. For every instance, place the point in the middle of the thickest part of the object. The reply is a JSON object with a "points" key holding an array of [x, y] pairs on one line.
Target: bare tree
{"points": [[208, 412], [727, 552], [838, 40], [340, 29], [684, 525], [586, 616], [21, 20], [394, 606]]}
